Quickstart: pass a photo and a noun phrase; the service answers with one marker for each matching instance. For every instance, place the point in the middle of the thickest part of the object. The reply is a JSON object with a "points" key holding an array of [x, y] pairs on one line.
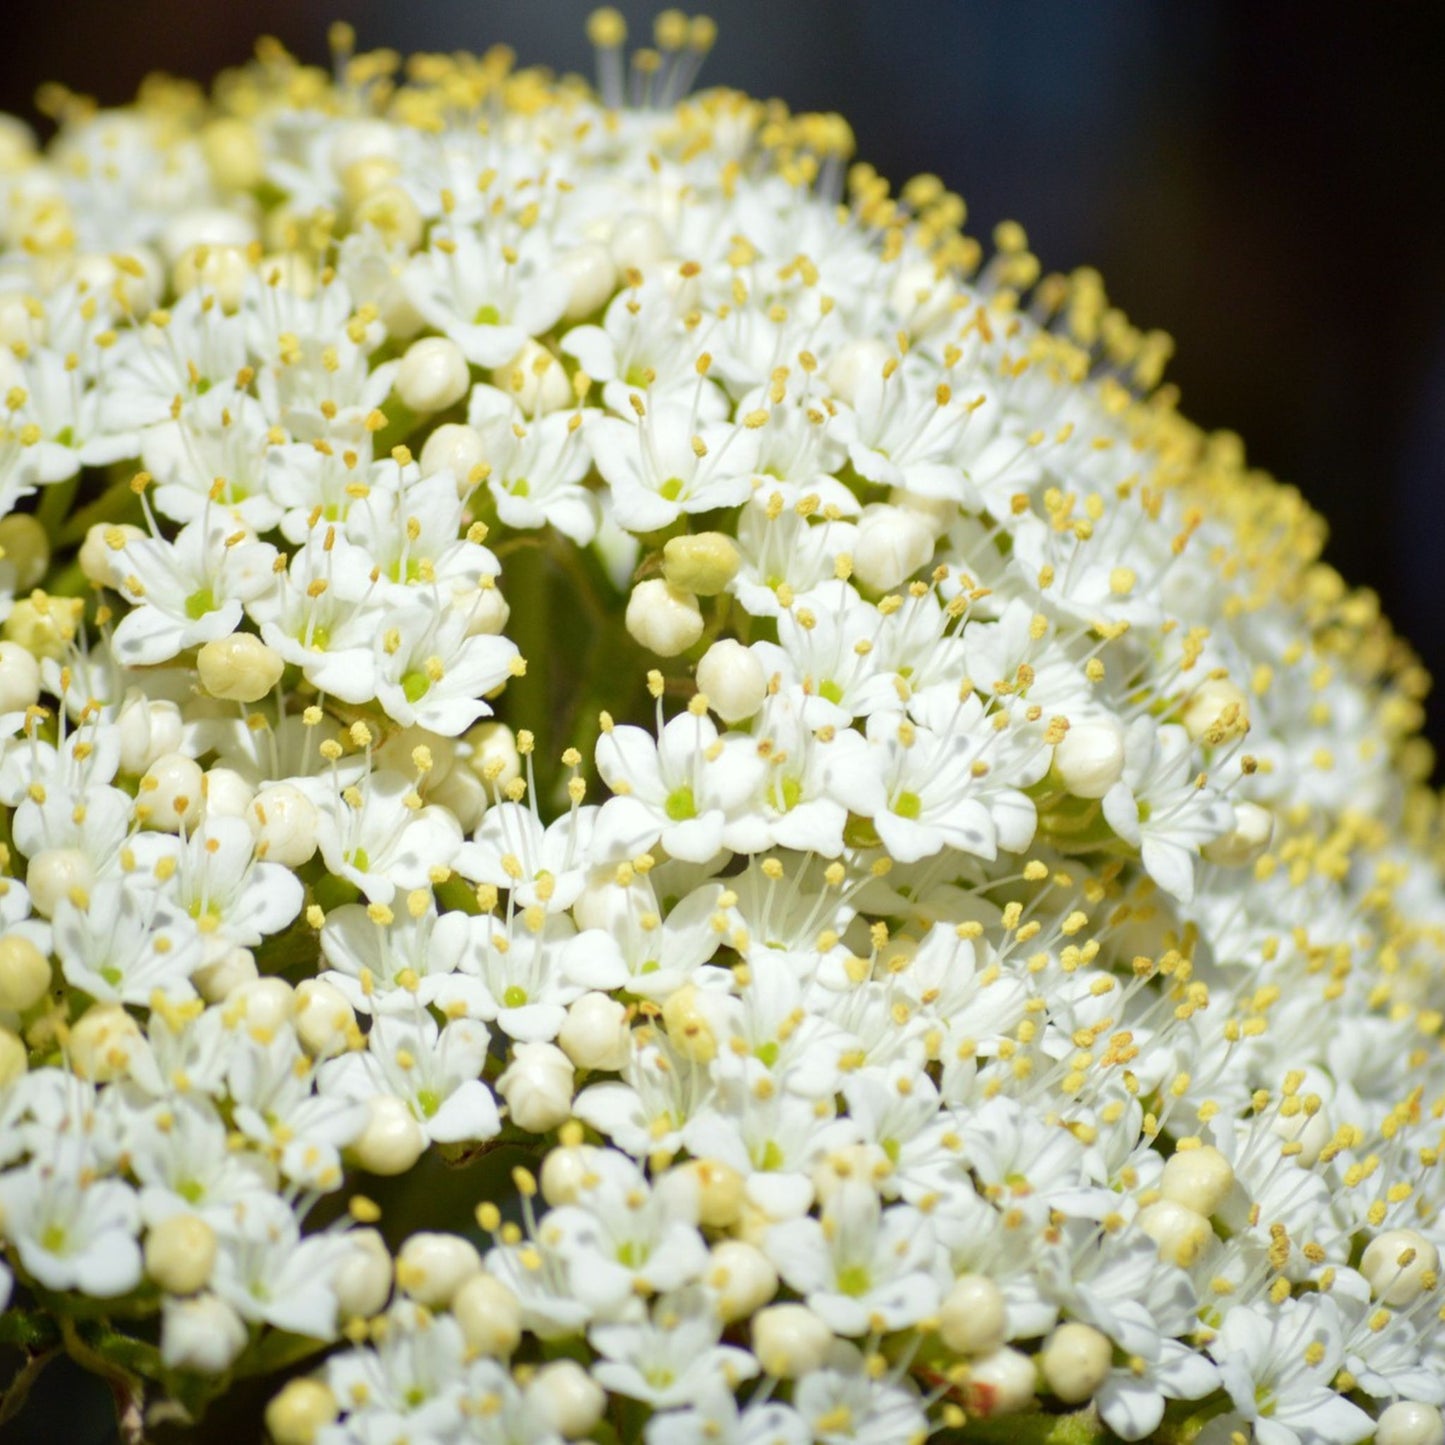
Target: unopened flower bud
{"points": [[485, 609], [1400, 1265], [203, 1334], [537, 1086], [362, 1283], [170, 793], [56, 873], [218, 980], [456, 448], [742, 1279], [732, 679], [923, 297], [973, 1319], [205, 226], [719, 1192], [592, 276], [638, 241], [24, 973], [14, 1060], [790, 1340], [431, 1267], [1089, 758], [324, 1019], [19, 678], [392, 213], [147, 731], [1182, 1233], [366, 176], [1310, 1129], [232, 148], [180, 1253], [103, 1043], [535, 380], [392, 1140], [227, 794], [239, 668], [892, 544], [565, 1172], [433, 375], [284, 822], [219, 271], [850, 1164], [689, 1022], [99, 559], [1216, 711], [567, 1398], [1251, 835], [1001, 1383], [854, 361], [264, 1003], [595, 1033], [25, 545], [300, 1412], [1200, 1178], [701, 562], [490, 1315], [43, 625], [1410, 1422], [1075, 1361], [662, 619], [494, 757]]}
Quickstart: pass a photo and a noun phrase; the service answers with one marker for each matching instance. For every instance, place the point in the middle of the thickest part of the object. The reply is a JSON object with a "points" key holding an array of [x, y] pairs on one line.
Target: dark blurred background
{"points": [[1261, 181]]}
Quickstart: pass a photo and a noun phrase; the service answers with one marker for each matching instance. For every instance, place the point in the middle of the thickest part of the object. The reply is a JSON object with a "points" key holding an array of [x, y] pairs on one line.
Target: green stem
{"points": [[117, 503], [18, 1390], [54, 506]]}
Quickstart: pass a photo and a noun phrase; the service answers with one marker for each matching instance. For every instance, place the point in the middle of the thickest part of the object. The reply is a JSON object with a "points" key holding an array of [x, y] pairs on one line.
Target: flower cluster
{"points": [[575, 649]]}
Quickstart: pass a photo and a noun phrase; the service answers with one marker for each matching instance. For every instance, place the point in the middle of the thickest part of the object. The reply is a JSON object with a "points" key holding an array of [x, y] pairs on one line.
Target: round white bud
{"points": [[922, 297], [14, 1059], [324, 1019], [170, 793], [595, 1033], [494, 757], [392, 213], [19, 678], [232, 148], [973, 1319], [591, 276], [1089, 758], [1400, 1265], [852, 363], [719, 1191], [1001, 1383], [461, 793], [535, 380], [732, 679], [263, 1003], [1409, 1422], [790, 1340], [1200, 1178], [431, 1267], [56, 873], [219, 271], [180, 1253], [362, 1282], [284, 821], [24, 974], [490, 1315], [363, 140], [25, 545], [537, 1086], [239, 668], [1182, 1233], [662, 619], [203, 1334], [300, 1412], [217, 981], [565, 1172], [456, 448], [103, 1042], [205, 226], [939, 512], [363, 178], [567, 1398], [392, 1140], [742, 1279], [1216, 711], [147, 731], [226, 792], [485, 609], [22, 321], [1075, 1361], [701, 562], [638, 241], [892, 544], [99, 560], [433, 375], [850, 1164], [1311, 1131], [1251, 835]]}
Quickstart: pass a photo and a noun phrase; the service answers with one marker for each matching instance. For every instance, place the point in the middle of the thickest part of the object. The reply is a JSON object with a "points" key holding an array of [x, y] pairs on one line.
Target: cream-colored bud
{"points": [[99, 560], [22, 323], [565, 1173], [56, 873], [1001, 1383], [973, 1319], [854, 362], [1216, 712], [1400, 1265], [535, 380], [1251, 836], [638, 241], [232, 148], [922, 297], [1200, 1178], [592, 276], [14, 1059], [485, 609], [147, 731], [103, 1043], [662, 619], [25, 545], [288, 271], [239, 668], [719, 1190], [227, 794], [362, 1283], [1075, 1361], [1182, 1233], [567, 1398], [1310, 1131], [433, 375], [1089, 758], [431, 1267], [456, 448], [234, 969], [392, 1140], [892, 544], [1410, 1422], [461, 793], [219, 271], [202, 1333], [850, 1164], [701, 562], [595, 1033], [732, 679], [284, 821], [180, 1253], [44, 625], [266, 1004], [24, 974], [537, 1086], [939, 512], [690, 1023], [494, 757], [170, 793], [325, 1021], [742, 1279], [392, 213], [300, 1412], [362, 139], [214, 226], [364, 177], [490, 1315], [19, 678], [790, 1340]]}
